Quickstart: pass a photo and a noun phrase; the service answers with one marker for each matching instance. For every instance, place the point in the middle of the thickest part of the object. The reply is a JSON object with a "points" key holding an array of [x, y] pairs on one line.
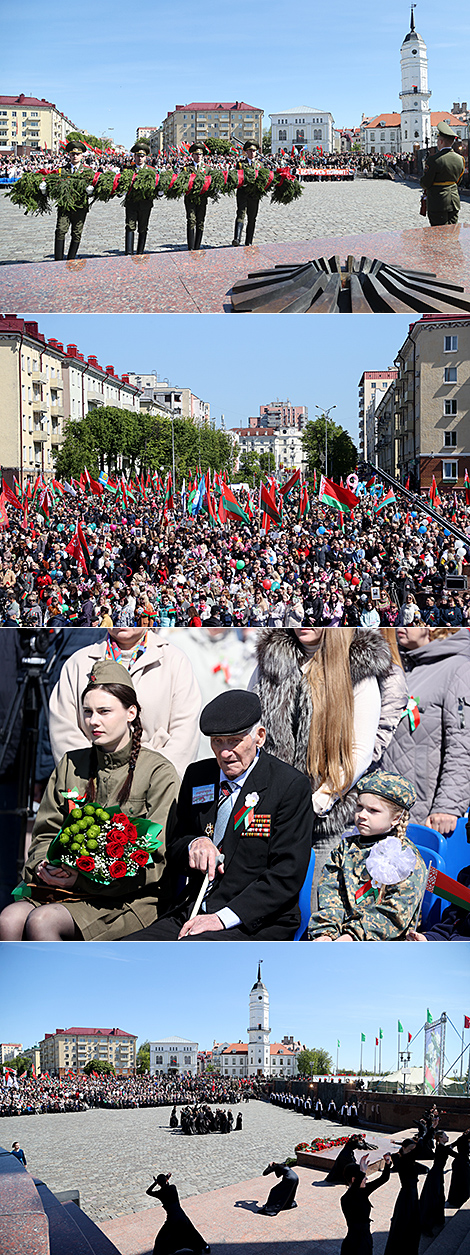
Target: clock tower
{"points": [[258, 1033], [414, 95]]}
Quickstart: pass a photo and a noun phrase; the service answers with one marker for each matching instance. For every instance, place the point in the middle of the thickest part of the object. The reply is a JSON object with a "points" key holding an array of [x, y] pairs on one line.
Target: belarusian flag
{"points": [[433, 497], [400, 1027], [428, 1017], [467, 488], [452, 890], [230, 505], [168, 502], [338, 1043], [77, 548], [314, 480], [10, 496], [388, 499], [304, 503], [45, 501], [3, 514], [268, 505], [294, 479], [363, 1037], [58, 487], [380, 1034], [466, 1021], [339, 498], [18, 489]]}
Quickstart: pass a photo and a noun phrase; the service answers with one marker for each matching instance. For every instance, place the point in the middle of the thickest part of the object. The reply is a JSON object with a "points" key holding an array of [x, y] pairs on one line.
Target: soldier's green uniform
{"points": [[138, 211], [70, 219], [195, 208], [443, 172], [367, 917], [107, 912], [247, 202]]}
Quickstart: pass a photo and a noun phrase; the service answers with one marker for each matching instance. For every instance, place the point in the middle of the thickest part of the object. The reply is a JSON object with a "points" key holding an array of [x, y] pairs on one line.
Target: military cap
{"points": [[196, 148], [230, 713], [250, 143], [75, 145], [386, 784], [109, 672], [444, 129], [141, 146]]}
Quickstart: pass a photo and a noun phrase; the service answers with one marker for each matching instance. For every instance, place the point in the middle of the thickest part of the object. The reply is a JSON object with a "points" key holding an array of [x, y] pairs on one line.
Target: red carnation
{"points": [[115, 848], [86, 863], [118, 869], [140, 857]]}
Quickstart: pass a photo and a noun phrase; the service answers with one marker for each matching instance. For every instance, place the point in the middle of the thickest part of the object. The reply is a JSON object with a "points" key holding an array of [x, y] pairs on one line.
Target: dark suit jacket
{"points": [[262, 876]]}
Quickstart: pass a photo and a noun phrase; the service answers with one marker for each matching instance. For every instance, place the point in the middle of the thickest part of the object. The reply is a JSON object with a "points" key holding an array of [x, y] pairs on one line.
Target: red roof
{"points": [[446, 117], [237, 1047], [277, 1048], [94, 1032], [204, 107], [27, 101], [388, 119]]}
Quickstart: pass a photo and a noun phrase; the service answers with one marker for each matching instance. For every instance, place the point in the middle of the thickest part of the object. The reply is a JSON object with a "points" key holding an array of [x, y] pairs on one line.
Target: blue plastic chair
{"points": [[457, 849], [429, 839], [304, 899], [431, 909]]}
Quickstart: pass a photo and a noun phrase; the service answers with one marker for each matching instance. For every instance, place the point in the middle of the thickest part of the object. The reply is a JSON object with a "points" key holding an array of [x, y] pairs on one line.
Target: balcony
{"points": [[57, 439], [57, 411], [39, 435], [95, 396], [39, 376]]}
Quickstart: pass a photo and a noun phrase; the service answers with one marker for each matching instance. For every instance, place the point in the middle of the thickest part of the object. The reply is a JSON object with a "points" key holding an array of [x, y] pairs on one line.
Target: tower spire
{"points": [[412, 19], [259, 970]]}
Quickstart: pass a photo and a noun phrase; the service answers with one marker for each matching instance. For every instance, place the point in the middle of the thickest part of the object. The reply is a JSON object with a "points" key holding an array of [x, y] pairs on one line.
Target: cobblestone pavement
{"points": [[324, 210], [111, 1156]]}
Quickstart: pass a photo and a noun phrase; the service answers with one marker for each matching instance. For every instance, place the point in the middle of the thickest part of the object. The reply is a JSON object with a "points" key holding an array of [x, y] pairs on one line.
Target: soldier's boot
{"points": [[250, 231], [129, 242], [73, 249], [198, 239], [141, 241], [59, 244], [191, 237], [237, 237]]}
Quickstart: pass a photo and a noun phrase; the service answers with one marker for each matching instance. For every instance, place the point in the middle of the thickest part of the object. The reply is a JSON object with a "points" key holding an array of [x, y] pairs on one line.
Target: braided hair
{"points": [[127, 698]]}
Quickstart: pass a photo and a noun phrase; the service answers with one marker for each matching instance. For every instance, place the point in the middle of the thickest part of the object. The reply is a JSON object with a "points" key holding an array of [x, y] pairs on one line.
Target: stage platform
{"points": [[201, 282]]}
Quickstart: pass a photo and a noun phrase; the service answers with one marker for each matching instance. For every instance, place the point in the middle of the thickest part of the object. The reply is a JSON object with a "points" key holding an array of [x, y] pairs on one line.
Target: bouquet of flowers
{"points": [[104, 844], [320, 1143]]}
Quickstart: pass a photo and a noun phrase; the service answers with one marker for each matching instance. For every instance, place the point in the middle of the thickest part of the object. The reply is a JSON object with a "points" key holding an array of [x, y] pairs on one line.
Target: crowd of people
{"points": [[144, 567], [43, 1095]]}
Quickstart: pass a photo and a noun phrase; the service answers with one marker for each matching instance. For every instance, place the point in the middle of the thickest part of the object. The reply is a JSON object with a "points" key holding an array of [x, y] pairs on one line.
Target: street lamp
{"points": [[405, 1060], [326, 414]]}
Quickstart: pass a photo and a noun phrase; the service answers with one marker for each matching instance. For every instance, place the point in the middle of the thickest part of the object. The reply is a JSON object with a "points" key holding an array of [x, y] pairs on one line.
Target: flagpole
{"points": [[380, 1052], [375, 1058], [337, 1056], [360, 1065], [463, 1048], [398, 1055]]}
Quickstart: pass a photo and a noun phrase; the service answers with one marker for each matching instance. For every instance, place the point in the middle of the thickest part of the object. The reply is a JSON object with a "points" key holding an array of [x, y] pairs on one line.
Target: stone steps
{"points": [[454, 1239]]}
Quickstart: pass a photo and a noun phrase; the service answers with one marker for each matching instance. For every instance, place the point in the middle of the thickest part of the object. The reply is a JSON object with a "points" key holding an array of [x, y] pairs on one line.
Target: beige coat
{"points": [[109, 911], [166, 689]]}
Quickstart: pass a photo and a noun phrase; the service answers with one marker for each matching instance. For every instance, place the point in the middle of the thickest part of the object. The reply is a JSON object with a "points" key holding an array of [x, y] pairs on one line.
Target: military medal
{"points": [[209, 831]]}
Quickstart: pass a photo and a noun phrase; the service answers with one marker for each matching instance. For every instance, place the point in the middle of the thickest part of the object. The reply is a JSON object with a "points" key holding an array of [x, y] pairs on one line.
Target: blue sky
{"points": [[318, 993], [239, 363], [110, 66]]}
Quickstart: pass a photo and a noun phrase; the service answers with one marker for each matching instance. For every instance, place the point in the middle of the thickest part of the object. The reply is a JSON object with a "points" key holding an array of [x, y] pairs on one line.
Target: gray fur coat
{"points": [[286, 703]]}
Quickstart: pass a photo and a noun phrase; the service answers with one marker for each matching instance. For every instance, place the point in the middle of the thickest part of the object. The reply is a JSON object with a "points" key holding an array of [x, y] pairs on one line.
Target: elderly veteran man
{"points": [[442, 174], [256, 812]]}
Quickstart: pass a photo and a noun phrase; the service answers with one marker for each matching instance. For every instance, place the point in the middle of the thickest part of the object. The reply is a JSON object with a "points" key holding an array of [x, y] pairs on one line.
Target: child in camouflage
{"points": [[372, 885]]}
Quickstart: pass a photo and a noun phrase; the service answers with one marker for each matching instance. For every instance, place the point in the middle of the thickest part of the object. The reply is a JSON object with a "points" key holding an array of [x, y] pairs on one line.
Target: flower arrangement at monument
{"points": [[103, 844], [37, 192], [319, 1144]]}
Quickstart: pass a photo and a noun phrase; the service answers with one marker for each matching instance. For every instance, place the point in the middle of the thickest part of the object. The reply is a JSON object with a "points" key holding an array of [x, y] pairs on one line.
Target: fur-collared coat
{"points": [[286, 703]]}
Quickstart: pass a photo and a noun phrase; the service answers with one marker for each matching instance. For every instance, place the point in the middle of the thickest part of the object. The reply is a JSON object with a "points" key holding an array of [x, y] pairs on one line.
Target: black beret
{"points": [[229, 713]]}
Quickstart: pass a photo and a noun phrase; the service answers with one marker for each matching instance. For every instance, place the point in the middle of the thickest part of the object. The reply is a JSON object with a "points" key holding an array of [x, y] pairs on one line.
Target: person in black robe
{"points": [[405, 1229], [174, 1119], [239, 1124], [432, 1201], [346, 1157], [356, 1207], [178, 1231], [282, 1196], [460, 1180]]}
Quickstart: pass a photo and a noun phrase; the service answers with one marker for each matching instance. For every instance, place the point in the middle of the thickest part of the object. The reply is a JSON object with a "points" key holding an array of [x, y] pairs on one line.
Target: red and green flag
{"points": [[388, 499], [294, 479], [268, 505], [451, 890], [230, 506], [10, 496], [331, 494]]}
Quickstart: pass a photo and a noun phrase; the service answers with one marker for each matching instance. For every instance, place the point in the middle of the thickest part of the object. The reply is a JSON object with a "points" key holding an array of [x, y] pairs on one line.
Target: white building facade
{"points": [[414, 95], [173, 1054], [284, 446], [304, 127]]}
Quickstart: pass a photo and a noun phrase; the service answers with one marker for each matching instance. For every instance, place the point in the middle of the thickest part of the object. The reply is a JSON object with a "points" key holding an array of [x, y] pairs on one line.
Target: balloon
{"points": [[232, 563], [267, 584], [423, 528], [446, 533], [414, 514], [321, 531], [275, 585], [240, 564], [352, 482], [113, 527]]}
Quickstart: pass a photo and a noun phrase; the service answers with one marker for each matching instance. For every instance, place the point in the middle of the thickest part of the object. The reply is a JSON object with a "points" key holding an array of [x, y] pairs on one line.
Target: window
{"points": [[450, 407], [158, 1059], [450, 374], [449, 470], [451, 344], [450, 439]]}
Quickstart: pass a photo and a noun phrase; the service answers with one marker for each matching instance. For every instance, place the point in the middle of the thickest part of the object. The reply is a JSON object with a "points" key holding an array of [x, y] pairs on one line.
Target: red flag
{"points": [[407, 483], [285, 488], [3, 514], [268, 505], [409, 1037], [74, 548], [10, 496], [466, 1021]]}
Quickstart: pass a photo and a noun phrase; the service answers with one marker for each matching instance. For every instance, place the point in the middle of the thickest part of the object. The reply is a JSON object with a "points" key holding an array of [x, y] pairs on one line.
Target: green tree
{"points": [[20, 1064], [113, 440], [94, 141], [342, 452], [221, 146], [248, 466], [99, 1065], [266, 143], [314, 1062], [143, 1058]]}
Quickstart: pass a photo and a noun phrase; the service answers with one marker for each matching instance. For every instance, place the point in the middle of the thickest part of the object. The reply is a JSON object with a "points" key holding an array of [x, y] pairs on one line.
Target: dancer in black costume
{"points": [[282, 1196], [460, 1181], [346, 1158], [357, 1208], [178, 1232], [405, 1229], [432, 1201], [174, 1119]]}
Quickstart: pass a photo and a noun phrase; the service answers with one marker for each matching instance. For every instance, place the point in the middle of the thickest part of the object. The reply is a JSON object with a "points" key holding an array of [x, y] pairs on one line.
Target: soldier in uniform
{"points": [[138, 211], [66, 218], [195, 206], [247, 199], [372, 884], [443, 172]]}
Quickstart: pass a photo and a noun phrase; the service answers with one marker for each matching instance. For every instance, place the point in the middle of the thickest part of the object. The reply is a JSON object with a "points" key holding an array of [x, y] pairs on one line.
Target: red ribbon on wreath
{"points": [[172, 181], [241, 176], [95, 178], [115, 182], [270, 179], [285, 174], [191, 181], [225, 177], [157, 178], [206, 184], [133, 179]]}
